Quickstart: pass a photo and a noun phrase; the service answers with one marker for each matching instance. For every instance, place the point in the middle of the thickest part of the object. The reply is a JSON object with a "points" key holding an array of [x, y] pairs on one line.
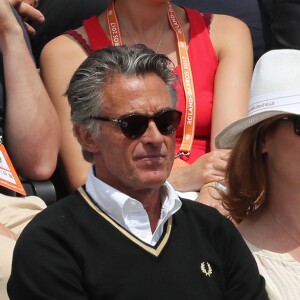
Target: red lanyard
{"points": [[187, 77]]}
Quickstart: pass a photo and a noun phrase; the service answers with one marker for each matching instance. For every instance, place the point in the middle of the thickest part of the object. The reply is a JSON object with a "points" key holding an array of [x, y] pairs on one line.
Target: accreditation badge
{"points": [[8, 175]]}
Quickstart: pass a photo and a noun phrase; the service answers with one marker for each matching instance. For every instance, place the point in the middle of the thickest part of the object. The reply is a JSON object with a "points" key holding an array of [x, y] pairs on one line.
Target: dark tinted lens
{"points": [[134, 126], [167, 121], [297, 125]]}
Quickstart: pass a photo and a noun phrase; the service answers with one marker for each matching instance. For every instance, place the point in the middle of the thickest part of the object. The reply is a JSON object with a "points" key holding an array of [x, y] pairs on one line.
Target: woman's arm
{"points": [[32, 134], [232, 42], [59, 60]]}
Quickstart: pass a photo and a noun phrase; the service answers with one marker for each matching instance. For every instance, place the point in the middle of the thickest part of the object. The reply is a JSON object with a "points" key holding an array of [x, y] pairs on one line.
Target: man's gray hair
{"points": [[85, 91]]}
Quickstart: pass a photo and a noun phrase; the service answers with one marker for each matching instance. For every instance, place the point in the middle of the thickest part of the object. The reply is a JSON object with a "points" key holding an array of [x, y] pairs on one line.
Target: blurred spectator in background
{"points": [[286, 24]]}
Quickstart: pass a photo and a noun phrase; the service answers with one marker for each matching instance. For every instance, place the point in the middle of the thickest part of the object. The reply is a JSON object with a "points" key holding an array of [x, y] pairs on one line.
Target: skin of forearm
{"points": [[31, 125]]}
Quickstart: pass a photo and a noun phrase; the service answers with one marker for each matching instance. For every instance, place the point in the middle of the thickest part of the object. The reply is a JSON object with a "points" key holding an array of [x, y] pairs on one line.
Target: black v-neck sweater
{"points": [[73, 251]]}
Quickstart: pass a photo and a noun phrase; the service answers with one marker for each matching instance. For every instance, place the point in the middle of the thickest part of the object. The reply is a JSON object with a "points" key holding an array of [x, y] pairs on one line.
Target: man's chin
{"points": [[154, 178]]}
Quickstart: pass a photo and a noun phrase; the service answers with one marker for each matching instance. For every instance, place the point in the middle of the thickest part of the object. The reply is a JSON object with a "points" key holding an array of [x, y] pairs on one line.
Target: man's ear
{"points": [[85, 139]]}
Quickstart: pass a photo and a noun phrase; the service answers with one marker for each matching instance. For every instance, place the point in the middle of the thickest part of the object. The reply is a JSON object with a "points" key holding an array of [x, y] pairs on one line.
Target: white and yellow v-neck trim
{"points": [[153, 250]]}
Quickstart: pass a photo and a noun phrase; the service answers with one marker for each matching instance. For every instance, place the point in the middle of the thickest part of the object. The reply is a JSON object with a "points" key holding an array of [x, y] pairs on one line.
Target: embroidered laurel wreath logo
{"points": [[206, 268]]}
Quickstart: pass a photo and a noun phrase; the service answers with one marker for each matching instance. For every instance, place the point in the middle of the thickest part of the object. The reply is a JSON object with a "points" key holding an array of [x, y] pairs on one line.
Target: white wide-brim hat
{"points": [[275, 90]]}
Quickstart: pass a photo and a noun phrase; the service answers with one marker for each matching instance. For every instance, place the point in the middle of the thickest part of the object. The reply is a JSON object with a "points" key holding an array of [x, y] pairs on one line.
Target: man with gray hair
{"points": [[126, 234]]}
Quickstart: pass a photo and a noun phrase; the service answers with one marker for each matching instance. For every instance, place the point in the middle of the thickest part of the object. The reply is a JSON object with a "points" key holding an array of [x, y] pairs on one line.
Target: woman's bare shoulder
{"points": [[228, 25], [63, 48], [228, 33], [59, 59], [65, 43]]}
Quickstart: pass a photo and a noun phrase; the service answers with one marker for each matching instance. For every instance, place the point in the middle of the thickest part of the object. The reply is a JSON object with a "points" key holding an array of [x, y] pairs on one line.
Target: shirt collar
{"points": [[115, 203]]}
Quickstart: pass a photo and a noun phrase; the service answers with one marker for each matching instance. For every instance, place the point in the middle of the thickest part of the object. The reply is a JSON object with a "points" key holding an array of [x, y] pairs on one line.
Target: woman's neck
{"points": [[277, 228], [284, 202], [142, 21]]}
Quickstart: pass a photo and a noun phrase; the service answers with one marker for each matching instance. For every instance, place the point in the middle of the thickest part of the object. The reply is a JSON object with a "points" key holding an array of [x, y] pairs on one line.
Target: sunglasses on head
{"points": [[134, 125], [296, 121]]}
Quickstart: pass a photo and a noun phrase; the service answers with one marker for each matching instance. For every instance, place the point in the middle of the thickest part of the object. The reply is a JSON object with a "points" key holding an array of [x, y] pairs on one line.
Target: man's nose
{"points": [[153, 134]]}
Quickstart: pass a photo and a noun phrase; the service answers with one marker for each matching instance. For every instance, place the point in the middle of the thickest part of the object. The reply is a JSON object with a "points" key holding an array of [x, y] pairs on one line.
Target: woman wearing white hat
{"points": [[263, 186]]}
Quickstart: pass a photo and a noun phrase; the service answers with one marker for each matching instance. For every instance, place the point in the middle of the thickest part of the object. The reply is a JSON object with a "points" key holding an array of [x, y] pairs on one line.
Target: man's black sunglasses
{"points": [[134, 125], [296, 120]]}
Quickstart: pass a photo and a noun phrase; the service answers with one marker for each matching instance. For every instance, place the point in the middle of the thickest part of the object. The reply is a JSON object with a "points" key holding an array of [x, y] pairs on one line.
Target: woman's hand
{"points": [[210, 196], [209, 167]]}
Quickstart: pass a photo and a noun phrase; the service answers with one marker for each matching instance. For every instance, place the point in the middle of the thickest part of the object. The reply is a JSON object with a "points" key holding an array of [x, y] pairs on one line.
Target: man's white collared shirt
{"points": [[129, 212]]}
